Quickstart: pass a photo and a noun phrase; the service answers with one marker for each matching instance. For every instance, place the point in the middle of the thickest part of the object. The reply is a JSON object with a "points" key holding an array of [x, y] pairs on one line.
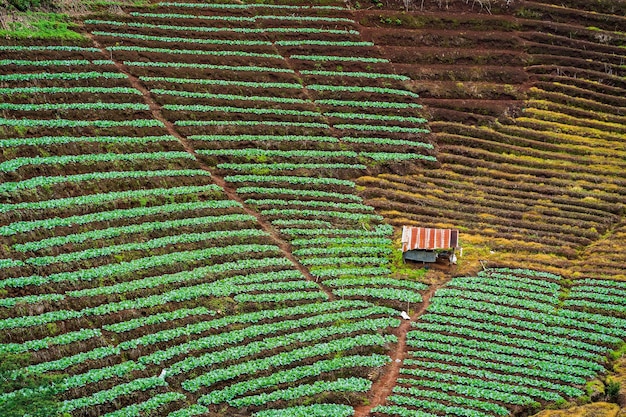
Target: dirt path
{"points": [[229, 190], [383, 387]]}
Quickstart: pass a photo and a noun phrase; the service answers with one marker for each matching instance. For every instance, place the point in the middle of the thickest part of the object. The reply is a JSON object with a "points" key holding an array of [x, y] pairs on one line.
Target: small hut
{"points": [[424, 244]]}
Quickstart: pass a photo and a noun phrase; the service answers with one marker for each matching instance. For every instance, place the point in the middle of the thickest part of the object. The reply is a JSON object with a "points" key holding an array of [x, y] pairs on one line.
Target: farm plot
{"points": [[123, 258], [499, 343], [542, 180], [276, 136]]}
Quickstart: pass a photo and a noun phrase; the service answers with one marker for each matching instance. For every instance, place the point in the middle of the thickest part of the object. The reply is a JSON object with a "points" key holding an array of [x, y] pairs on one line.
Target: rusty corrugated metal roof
{"points": [[428, 239]]}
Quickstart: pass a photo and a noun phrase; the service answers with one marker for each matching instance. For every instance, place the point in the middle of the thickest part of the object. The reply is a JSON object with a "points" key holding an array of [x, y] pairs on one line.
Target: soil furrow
{"points": [[230, 191]]}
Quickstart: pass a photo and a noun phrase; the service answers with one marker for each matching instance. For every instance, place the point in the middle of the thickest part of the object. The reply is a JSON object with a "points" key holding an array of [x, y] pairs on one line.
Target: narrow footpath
{"points": [[230, 191], [383, 387]]}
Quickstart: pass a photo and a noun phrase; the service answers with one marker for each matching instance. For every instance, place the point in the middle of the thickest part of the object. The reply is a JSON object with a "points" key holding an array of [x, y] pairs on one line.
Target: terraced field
{"points": [[199, 204]]}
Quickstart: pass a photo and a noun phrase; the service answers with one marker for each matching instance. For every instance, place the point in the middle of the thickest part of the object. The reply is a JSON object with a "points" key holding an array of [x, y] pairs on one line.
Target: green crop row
{"points": [[80, 380], [597, 283], [518, 387], [421, 339], [244, 6], [505, 378], [286, 376], [60, 123], [53, 140], [356, 74], [374, 104], [159, 64], [207, 81], [348, 250], [101, 397], [502, 288], [220, 29], [610, 296], [522, 313], [356, 306], [139, 409], [263, 138], [356, 217], [156, 243], [472, 391], [340, 385], [13, 165], [333, 232], [28, 299], [299, 192], [27, 226], [54, 62], [342, 241], [284, 166], [67, 361], [313, 42], [519, 366], [447, 293], [524, 272], [613, 325], [112, 232], [378, 117], [596, 289], [358, 89], [10, 263], [47, 181], [289, 179], [69, 90], [310, 203], [232, 97], [238, 336], [68, 76], [355, 271], [382, 282], [377, 128], [334, 58], [445, 313], [192, 410], [230, 109], [239, 352], [193, 16], [50, 341], [73, 106], [280, 297], [157, 318], [518, 284], [192, 52], [471, 322], [529, 280], [305, 18], [386, 141], [442, 396], [393, 294], [250, 123], [181, 40], [397, 410], [422, 404], [279, 360], [300, 222], [60, 48], [313, 410], [591, 305], [197, 274], [393, 156], [130, 267]]}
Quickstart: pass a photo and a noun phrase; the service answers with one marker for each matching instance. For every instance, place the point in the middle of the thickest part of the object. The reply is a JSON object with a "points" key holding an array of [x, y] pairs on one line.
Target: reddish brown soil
{"points": [[383, 387], [157, 113]]}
